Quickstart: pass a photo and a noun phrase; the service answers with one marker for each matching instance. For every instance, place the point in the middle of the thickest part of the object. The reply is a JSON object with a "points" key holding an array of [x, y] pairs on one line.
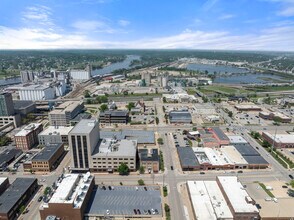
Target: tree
{"points": [[164, 99], [157, 120], [103, 107], [141, 169], [230, 113], [266, 144], [141, 182], [130, 105], [47, 190], [87, 94], [123, 169], [160, 141], [4, 140], [21, 209], [102, 99]]}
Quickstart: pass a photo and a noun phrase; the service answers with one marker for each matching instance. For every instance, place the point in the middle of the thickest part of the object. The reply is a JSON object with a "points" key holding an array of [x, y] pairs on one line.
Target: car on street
{"points": [[202, 173], [40, 198], [171, 167], [240, 171], [291, 177]]}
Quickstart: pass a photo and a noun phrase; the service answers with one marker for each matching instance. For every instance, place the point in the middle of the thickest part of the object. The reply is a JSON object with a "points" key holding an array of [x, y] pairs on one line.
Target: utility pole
{"points": [[274, 139]]}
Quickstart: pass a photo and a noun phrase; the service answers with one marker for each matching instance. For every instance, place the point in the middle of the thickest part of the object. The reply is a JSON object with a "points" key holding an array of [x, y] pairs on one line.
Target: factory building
{"points": [[81, 75], [36, 92]]}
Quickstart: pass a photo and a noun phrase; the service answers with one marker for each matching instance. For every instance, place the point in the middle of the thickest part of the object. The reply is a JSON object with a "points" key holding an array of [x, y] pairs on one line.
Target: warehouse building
{"points": [[70, 197], [248, 107], [17, 195], [188, 159], [182, 117]]}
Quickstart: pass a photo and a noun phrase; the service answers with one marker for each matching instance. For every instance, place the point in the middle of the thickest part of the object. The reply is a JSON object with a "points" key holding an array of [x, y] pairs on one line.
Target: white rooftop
{"points": [[56, 130], [2, 179], [234, 155], [236, 194], [213, 156], [281, 138], [236, 139], [194, 132], [27, 129]]}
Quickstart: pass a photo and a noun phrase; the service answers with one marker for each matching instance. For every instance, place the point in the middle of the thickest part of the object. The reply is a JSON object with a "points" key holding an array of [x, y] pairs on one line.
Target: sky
{"points": [[147, 24]]}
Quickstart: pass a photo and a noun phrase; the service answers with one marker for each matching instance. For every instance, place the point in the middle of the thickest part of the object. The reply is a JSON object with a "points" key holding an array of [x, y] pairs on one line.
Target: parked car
{"points": [[40, 198], [171, 167], [240, 171], [202, 172]]}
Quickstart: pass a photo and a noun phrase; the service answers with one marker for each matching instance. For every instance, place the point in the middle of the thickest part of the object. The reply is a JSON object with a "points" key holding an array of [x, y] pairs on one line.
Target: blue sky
{"points": [[158, 24]]}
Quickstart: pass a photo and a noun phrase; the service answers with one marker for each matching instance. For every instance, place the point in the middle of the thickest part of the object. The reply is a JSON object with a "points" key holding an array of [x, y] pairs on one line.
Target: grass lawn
{"points": [[221, 89]]}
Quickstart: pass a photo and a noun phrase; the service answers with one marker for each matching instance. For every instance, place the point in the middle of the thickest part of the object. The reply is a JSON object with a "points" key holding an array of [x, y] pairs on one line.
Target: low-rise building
{"points": [[28, 137], [188, 159], [248, 107], [279, 140], [70, 198], [180, 117], [23, 107], [4, 183], [7, 156], [149, 159], [275, 116], [179, 98], [48, 158], [54, 134], [17, 195], [220, 136], [14, 120], [110, 153], [62, 114], [114, 117]]}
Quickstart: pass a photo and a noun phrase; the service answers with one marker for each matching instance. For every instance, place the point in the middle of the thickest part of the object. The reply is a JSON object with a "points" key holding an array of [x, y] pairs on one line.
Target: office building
{"points": [[149, 159], [23, 107], [27, 76], [282, 140], [6, 104], [14, 120], [110, 153], [28, 137], [36, 92], [114, 117], [62, 114], [70, 197], [18, 194], [54, 135], [48, 158], [83, 139]]}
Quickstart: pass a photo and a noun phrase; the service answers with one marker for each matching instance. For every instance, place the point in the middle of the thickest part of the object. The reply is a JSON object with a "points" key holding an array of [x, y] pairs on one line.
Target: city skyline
{"points": [[117, 24]]}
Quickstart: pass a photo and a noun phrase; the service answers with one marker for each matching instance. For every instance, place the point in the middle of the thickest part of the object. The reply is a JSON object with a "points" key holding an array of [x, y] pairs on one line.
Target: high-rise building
{"points": [[146, 76], [83, 139], [6, 104], [27, 76]]}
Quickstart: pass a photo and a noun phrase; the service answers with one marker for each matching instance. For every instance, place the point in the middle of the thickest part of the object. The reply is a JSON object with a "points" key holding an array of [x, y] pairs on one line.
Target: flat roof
{"points": [[142, 137], [14, 192], [208, 201], [122, 200], [234, 155], [21, 104], [48, 152], [85, 126], [8, 155], [187, 157], [68, 106], [236, 194], [56, 130], [247, 106], [29, 128], [246, 150], [210, 155], [34, 87], [281, 138], [71, 189], [148, 154], [115, 113], [220, 134], [180, 114], [256, 160], [2, 180], [112, 147], [236, 139]]}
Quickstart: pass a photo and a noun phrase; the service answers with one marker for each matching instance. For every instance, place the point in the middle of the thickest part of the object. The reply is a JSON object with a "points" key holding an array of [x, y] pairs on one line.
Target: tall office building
{"points": [[6, 104], [83, 139]]}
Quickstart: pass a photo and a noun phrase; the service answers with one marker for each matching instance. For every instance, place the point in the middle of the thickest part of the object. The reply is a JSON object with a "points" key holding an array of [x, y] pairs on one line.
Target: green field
{"points": [[221, 90], [270, 88]]}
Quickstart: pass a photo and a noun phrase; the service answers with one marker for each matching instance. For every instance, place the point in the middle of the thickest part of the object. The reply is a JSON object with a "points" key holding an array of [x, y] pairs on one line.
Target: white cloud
{"points": [[123, 23], [92, 25], [287, 7], [289, 11], [209, 4], [226, 16], [37, 16]]}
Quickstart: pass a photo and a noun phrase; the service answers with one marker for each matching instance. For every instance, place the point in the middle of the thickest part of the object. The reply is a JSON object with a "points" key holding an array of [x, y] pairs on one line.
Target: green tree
{"points": [[103, 107], [157, 120], [47, 190], [160, 141], [21, 209], [87, 94], [230, 113], [164, 99], [4, 140], [142, 170], [123, 169], [141, 182], [130, 105]]}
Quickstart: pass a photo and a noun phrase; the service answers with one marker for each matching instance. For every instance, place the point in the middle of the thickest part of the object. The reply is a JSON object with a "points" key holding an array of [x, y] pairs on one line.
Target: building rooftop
{"points": [[21, 104], [148, 154], [219, 133], [281, 138], [246, 150], [71, 189], [115, 113], [236, 139], [187, 157], [142, 137], [180, 115], [247, 106], [234, 155], [29, 128], [34, 87], [236, 194], [48, 152], [2, 180], [122, 200], [56, 130], [208, 201], [8, 155], [81, 116], [14, 192], [68, 106], [256, 160], [113, 147], [85, 126]]}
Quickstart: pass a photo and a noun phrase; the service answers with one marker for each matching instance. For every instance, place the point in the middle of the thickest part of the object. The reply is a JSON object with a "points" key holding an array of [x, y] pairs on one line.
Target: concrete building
{"points": [[208, 202], [27, 76], [14, 120], [187, 158], [180, 117], [275, 116], [179, 98], [36, 92], [62, 114], [279, 140], [70, 197], [83, 139], [81, 75], [240, 203], [220, 136], [54, 135], [114, 117], [110, 153], [23, 107], [48, 159], [18, 194], [6, 104], [248, 107], [149, 159], [4, 184], [28, 137], [146, 76], [7, 156]]}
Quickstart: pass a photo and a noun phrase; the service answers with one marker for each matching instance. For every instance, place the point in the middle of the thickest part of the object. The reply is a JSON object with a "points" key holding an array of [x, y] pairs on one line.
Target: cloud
{"points": [[209, 4], [37, 16], [92, 25], [123, 23], [226, 16], [288, 12], [287, 7]]}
